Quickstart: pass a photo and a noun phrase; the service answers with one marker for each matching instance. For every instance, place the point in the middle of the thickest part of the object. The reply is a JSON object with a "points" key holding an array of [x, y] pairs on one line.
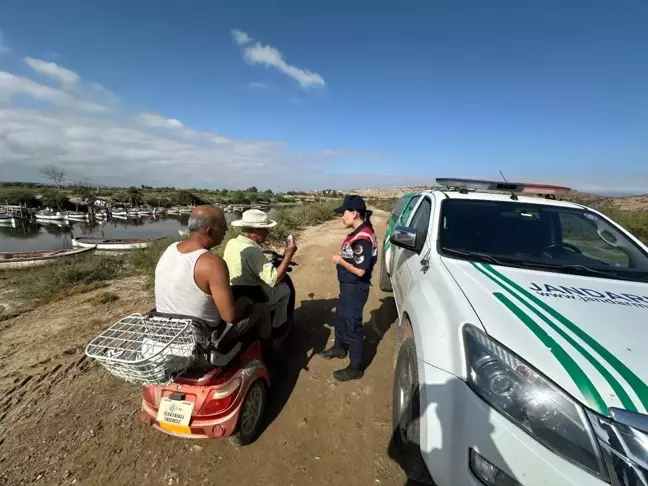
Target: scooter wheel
{"points": [[251, 417]]}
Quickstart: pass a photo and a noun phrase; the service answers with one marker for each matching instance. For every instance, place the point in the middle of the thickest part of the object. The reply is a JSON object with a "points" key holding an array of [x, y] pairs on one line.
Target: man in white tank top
{"points": [[192, 281]]}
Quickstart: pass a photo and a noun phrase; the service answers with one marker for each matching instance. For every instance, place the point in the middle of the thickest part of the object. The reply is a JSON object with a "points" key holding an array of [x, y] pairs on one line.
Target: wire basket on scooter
{"points": [[150, 350]]}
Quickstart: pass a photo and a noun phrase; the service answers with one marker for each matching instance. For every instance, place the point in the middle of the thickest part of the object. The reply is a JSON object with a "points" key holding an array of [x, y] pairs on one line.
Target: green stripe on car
{"points": [[581, 380], [623, 396], [638, 386]]}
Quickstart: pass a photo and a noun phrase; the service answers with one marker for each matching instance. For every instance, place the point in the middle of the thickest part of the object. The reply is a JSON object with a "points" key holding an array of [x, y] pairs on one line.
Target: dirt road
{"points": [[63, 420]]}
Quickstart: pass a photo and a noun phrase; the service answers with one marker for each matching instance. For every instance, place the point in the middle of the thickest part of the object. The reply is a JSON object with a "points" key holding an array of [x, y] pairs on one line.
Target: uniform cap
{"points": [[352, 203]]}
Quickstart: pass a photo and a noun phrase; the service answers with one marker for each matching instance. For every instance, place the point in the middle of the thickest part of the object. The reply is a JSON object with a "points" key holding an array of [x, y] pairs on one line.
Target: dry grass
{"points": [[105, 298], [43, 284]]}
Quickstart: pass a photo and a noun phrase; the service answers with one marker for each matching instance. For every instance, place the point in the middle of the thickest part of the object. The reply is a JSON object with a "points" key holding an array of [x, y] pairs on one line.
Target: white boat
{"points": [[159, 211], [174, 210], [133, 212], [120, 216], [103, 214], [145, 210], [113, 244], [76, 216], [7, 223], [49, 215], [183, 232], [35, 258], [119, 211], [7, 219]]}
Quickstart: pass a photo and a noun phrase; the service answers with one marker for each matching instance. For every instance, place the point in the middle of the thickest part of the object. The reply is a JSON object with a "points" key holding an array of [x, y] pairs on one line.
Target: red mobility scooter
{"points": [[198, 382]]}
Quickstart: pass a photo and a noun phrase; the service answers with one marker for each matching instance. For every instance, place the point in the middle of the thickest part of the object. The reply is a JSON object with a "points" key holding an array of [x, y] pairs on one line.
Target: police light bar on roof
{"points": [[511, 187]]}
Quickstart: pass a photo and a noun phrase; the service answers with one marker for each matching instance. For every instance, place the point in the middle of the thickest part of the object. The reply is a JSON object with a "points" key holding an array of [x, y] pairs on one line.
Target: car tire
{"points": [[251, 415], [385, 281], [406, 416]]}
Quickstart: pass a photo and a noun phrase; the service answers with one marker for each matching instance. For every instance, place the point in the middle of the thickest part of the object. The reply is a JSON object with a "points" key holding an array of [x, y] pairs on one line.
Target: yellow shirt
{"points": [[248, 265]]}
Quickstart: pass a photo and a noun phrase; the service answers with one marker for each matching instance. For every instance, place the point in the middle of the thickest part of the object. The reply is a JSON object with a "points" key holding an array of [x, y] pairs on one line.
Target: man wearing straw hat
{"points": [[248, 265]]}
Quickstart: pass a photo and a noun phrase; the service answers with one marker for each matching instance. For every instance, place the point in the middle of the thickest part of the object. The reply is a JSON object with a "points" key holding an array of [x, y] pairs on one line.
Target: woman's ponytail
{"points": [[366, 216]]}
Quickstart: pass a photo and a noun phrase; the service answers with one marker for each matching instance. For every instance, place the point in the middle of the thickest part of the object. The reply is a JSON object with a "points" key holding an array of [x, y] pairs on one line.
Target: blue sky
{"points": [[326, 94]]}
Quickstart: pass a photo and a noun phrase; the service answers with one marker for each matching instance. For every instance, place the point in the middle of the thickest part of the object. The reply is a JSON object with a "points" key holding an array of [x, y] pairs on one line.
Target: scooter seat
{"points": [[212, 340]]}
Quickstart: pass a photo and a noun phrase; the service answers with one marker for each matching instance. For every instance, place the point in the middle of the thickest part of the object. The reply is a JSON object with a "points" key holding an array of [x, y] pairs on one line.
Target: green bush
{"points": [[292, 220], [382, 204], [636, 222], [19, 196], [186, 198], [53, 199]]}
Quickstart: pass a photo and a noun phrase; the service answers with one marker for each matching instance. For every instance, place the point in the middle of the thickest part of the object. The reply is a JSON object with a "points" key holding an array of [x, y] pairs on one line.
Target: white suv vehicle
{"points": [[523, 325]]}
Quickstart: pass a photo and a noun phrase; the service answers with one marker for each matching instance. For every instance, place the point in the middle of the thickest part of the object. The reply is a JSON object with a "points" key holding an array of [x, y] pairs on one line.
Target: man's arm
{"points": [[283, 267], [215, 271]]}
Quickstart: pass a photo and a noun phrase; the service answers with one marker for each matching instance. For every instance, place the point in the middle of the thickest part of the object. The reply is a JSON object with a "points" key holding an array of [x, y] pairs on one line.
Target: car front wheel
{"points": [[407, 414], [385, 281]]}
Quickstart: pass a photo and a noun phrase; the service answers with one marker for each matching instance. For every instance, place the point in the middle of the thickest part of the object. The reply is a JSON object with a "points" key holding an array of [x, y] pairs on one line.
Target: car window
{"points": [[398, 208], [582, 233], [550, 237], [408, 210], [421, 219]]}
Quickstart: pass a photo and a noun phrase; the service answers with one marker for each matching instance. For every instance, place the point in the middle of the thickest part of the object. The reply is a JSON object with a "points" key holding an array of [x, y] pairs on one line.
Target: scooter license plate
{"points": [[175, 415]]}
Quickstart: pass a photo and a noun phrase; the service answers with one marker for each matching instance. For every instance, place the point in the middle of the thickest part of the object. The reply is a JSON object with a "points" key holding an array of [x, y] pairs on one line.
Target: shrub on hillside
{"points": [[636, 222], [19, 196]]}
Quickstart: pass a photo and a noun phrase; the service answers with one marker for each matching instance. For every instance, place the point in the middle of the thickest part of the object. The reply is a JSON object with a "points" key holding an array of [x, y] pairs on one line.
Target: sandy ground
{"points": [[63, 420]]}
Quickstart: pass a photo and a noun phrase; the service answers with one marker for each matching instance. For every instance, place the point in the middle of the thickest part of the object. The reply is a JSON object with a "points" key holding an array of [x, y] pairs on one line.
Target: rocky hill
{"points": [[627, 203]]}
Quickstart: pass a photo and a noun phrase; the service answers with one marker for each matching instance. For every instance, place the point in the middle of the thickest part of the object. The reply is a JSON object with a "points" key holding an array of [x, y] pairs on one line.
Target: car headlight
{"points": [[532, 402]]}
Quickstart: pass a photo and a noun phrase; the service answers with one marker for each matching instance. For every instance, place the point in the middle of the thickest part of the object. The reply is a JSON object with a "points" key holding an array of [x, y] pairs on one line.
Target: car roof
{"points": [[496, 196]]}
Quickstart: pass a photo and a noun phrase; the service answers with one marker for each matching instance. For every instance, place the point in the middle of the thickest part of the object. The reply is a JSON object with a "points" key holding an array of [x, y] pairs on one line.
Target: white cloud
{"points": [[89, 132], [86, 130], [271, 57], [4, 48], [240, 37], [159, 121], [11, 85], [64, 76]]}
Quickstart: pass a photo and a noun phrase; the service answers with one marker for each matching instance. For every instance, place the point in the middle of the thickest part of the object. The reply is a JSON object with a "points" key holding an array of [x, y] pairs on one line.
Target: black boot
{"points": [[349, 373], [334, 352]]}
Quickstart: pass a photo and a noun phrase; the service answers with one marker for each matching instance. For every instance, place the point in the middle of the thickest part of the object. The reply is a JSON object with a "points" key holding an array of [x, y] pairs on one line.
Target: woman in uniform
{"points": [[354, 265]]}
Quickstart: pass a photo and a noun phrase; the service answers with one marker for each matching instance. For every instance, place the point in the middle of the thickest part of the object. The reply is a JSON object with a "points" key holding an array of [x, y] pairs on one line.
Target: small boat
{"points": [[120, 216], [183, 232], [103, 214], [119, 211], [114, 244], [174, 210], [49, 215], [133, 212], [7, 219], [159, 210], [7, 223], [36, 258], [76, 216], [145, 210]]}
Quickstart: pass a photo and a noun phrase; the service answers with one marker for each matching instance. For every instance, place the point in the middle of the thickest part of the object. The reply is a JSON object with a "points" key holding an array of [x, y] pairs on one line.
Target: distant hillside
{"points": [[626, 203]]}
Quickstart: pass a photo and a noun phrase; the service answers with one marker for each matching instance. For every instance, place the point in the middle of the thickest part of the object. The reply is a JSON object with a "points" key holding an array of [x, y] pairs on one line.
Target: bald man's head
{"points": [[208, 223]]}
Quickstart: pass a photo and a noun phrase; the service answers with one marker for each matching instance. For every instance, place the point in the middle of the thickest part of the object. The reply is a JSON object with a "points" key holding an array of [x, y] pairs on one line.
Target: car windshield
{"points": [[543, 237]]}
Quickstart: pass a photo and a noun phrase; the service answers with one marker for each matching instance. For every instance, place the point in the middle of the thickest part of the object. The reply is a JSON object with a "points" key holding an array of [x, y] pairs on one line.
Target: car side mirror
{"points": [[406, 238]]}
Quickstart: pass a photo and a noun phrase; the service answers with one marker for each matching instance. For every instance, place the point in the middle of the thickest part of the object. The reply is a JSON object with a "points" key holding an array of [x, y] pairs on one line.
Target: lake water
{"points": [[31, 236]]}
